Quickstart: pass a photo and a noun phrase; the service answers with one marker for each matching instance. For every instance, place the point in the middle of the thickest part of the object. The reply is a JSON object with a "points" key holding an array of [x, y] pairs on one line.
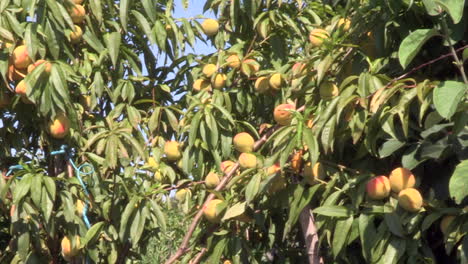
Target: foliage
{"points": [[127, 88]]}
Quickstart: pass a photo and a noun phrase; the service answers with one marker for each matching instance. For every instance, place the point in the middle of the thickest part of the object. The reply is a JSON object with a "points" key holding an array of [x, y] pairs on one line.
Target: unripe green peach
{"points": [[243, 142], [317, 36], [445, 223], [275, 81], [311, 174], [210, 27], [219, 81], [282, 115], [410, 199], [247, 161], [181, 194], [401, 178], [209, 69], [209, 211], [261, 84], [211, 180], [172, 150], [328, 90], [378, 188]]}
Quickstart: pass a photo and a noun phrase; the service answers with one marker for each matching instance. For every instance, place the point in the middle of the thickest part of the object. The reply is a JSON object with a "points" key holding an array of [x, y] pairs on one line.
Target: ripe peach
{"points": [[250, 67], [60, 126], [210, 27], [261, 84], [233, 61], [77, 14], [219, 81], [226, 166], [21, 88], [445, 223], [210, 212], [243, 142], [282, 115], [201, 84], [20, 57], [68, 250], [275, 81], [209, 70], [344, 24], [298, 69], [410, 199], [76, 35], [247, 161], [47, 69], [181, 194], [273, 169], [5, 100], [401, 178], [328, 90], [311, 174], [211, 180], [378, 188], [317, 36], [172, 150]]}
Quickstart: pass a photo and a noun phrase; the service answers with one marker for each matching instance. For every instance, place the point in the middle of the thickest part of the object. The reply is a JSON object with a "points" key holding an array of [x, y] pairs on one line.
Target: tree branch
{"points": [[309, 230], [199, 256]]}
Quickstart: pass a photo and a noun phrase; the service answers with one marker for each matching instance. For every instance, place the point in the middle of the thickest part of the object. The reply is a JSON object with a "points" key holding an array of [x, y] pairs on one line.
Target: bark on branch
{"points": [[309, 230]]}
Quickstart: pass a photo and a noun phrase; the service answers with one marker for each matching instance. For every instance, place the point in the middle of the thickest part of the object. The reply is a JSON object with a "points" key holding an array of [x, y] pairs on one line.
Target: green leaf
{"points": [[431, 7], [93, 234], [22, 188], [458, 185], [123, 12], [235, 210], [447, 96], [333, 211], [340, 234], [215, 256], [389, 147], [253, 187], [113, 45], [411, 45], [394, 224], [145, 26], [367, 233], [454, 8]]}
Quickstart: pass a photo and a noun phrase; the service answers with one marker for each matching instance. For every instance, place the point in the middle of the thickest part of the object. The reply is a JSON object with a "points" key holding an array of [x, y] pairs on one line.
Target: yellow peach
{"points": [[209, 69], [247, 161], [47, 69], [261, 84], [76, 35], [20, 57], [282, 115], [311, 174], [378, 188], [328, 90], [210, 27], [234, 61], [401, 178], [201, 84], [68, 250], [77, 14], [210, 212], [410, 199], [243, 142], [172, 150], [212, 180], [318, 36], [275, 81], [219, 81]]}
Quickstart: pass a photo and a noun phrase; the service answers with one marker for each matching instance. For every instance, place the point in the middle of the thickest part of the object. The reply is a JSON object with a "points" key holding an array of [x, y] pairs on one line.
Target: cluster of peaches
{"points": [[22, 63], [401, 181]]}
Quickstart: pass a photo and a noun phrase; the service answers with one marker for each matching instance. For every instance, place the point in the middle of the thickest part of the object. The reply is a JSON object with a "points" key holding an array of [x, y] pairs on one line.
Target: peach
{"points": [[233, 61], [210, 27], [219, 81], [296, 161], [328, 90], [317, 36], [247, 161], [261, 84], [76, 35], [80, 207], [312, 174], [21, 88], [60, 127], [298, 69], [47, 69], [378, 188], [209, 70], [20, 57], [282, 115], [77, 14], [181, 194], [401, 178], [344, 24], [243, 142], [210, 212], [250, 67], [211, 180], [226, 166], [152, 163], [201, 84], [445, 223], [273, 169], [275, 81], [172, 150], [68, 250], [410, 199]]}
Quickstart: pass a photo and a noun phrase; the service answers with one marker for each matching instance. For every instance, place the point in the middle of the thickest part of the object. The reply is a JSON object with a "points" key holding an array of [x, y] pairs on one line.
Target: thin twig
{"points": [[199, 256], [453, 52], [185, 184]]}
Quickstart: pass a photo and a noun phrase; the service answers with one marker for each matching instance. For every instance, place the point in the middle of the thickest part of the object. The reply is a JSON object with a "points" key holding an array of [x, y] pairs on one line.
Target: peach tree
{"points": [[332, 131]]}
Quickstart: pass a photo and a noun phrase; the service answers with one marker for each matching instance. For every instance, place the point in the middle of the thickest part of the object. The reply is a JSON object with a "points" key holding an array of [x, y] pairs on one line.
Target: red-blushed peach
{"points": [[401, 178], [77, 14], [378, 188], [226, 166], [243, 142], [410, 199], [20, 57], [282, 115], [60, 127]]}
